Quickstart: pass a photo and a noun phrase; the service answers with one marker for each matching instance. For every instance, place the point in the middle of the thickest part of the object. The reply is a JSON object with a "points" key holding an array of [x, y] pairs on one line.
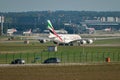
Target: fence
{"points": [[63, 56]]}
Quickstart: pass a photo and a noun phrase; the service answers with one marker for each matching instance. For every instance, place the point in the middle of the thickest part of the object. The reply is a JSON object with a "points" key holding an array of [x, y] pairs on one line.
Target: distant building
{"points": [[103, 19], [117, 19], [109, 19], [100, 25]]}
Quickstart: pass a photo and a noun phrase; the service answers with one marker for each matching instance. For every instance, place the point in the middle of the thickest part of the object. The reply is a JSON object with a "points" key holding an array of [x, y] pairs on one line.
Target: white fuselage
{"points": [[27, 32], [67, 38]]}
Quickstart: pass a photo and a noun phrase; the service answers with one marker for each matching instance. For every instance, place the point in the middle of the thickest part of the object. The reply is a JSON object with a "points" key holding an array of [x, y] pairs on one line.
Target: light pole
{"points": [[1, 21]]}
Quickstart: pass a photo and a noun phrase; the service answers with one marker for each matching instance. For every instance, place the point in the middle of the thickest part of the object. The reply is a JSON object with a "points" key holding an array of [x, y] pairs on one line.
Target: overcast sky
{"points": [[43, 5]]}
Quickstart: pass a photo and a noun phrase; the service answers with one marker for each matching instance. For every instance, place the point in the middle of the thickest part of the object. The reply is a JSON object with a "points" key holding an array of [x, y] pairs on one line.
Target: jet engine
{"points": [[42, 40], [89, 41], [83, 42]]}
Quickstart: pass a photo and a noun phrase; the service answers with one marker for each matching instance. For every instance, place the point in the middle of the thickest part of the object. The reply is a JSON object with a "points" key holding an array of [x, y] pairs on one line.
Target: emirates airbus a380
{"points": [[67, 39]]}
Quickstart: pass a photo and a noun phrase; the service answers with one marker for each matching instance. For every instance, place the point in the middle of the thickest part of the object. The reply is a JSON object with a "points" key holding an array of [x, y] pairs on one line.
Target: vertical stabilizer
{"points": [[52, 31]]}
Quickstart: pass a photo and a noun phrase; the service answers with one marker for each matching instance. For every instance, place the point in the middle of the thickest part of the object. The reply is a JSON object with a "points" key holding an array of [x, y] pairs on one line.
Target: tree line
{"points": [[37, 19]]}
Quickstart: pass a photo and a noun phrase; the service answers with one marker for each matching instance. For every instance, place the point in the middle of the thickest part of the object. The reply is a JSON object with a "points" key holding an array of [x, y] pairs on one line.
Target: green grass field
{"points": [[68, 54]]}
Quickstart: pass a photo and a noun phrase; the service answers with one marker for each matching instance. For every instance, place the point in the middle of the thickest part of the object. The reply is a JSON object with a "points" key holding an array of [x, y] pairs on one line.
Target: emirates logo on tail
{"points": [[51, 29]]}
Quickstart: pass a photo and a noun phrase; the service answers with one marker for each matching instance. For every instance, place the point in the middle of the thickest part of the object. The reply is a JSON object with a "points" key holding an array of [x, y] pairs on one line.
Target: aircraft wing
{"points": [[91, 40]]}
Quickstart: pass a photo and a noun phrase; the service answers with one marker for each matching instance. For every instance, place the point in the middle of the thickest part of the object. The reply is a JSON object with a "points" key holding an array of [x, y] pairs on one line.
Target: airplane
{"points": [[11, 31], [27, 32], [90, 30], [66, 39], [107, 29]]}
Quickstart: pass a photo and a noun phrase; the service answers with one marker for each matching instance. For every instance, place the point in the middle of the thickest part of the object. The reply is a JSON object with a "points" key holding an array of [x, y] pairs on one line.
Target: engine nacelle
{"points": [[89, 41], [83, 42], [43, 40]]}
